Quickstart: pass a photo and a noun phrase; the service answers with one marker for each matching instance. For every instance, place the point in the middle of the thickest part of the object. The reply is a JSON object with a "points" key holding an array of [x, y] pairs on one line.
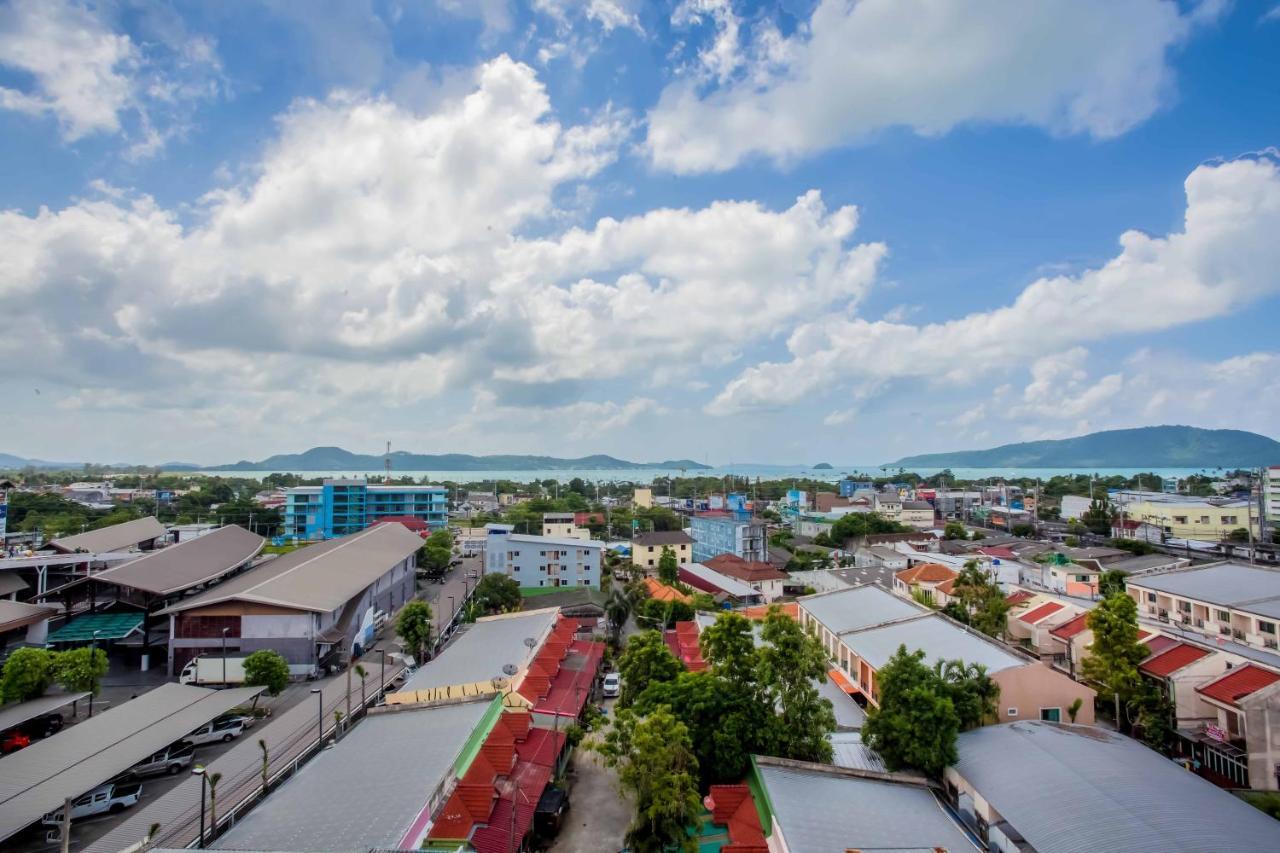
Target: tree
{"points": [[266, 764], [498, 594], [1022, 530], [791, 665], [646, 660], [981, 599], [1098, 517], [618, 607], [434, 558], [728, 645], [27, 674], [664, 613], [266, 668], [668, 567], [413, 624], [656, 764], [1240, 535], [858, 524], [916, 723], [213, 779], [972, 692], [1114, 655], [80, 670], [1111, 582]]}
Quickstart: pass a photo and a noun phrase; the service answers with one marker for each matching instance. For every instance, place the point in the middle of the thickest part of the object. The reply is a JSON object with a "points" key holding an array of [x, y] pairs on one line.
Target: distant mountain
{"points": [[337, 459], [823, 466], [1144, 447], [9, 461]]}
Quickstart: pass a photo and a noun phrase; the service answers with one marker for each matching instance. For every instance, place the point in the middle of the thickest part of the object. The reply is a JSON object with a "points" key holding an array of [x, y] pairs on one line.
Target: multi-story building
{"points": [[563, 525], [1209, 520], [716, 533], [1223, 600], [647, 548], [342, 507], [1271, 499], [542, 561]]}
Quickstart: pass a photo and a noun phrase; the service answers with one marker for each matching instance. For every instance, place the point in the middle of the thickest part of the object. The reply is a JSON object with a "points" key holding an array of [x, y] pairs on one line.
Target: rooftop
{"points": [[1078, 624], [1172, 659], [1238, 683], [1044, 611], [824, 809], [749, 571], [562, 541], [1067, 788], [926, 573], [319, 578], [19, 614], [481, 650], [858, 607], [171, 570], [117, 537], [1227, 584], [938, 637], [663, 537], [368, 791], [722, 582], [659, 591], [849, 751]]}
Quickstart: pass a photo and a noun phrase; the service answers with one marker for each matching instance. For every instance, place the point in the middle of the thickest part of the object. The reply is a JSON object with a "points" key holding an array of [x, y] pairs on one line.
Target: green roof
{"points": [[110, 626]]}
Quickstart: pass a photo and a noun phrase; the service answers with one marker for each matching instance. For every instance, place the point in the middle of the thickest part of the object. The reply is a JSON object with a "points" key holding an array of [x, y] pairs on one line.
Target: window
{"points": [[1266, 627], [1228, 519], [1179, 519], [1222, 615], [1204, 519], [1151, 596], [1052, 715], [1012, 712], [1184, 606]]}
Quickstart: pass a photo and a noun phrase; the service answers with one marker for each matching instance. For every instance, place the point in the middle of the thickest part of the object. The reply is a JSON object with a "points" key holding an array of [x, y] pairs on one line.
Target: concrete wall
{"points": [[1262, 727], [1028, 689]]}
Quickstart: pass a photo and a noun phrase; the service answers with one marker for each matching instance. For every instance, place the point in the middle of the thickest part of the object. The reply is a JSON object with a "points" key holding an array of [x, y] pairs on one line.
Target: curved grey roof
{"points": [[1067, 788], [171, 570], [117, 537]]}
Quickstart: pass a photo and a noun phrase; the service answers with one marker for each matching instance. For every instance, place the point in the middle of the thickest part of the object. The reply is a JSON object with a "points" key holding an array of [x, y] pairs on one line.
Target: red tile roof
{"points": [[760, 611], [683, 642], [1172, 660], [732, 806], [1018, 597], [947, 587], [744, 570], [1160, 643], [926, 573], [1238, 683], [1072, 627], [998, 552], [659, 591], [1045, 610]]}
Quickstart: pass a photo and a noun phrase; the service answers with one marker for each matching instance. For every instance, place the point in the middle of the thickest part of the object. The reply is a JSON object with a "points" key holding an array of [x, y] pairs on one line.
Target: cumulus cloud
{"points": [[90, 78], [383, 257], [1222, 259], [854, 68]]}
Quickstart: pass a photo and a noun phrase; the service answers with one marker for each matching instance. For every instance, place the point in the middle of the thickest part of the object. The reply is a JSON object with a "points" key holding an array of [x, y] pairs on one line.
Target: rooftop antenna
{"points": [[387, 461]]}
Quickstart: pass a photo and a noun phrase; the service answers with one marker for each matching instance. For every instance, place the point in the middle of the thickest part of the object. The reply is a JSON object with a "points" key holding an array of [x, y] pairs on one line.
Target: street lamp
{"points": [[319, 716], [224, 655], [198, 770], [93, 669], [382, 684]]}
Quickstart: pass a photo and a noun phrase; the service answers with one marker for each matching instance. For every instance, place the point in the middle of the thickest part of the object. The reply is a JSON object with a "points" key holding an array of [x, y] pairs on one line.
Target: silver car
{"points": [[170, 760]]}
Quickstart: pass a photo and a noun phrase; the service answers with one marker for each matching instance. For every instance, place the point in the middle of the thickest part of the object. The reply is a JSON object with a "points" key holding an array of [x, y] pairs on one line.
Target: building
{"points": [[917, 514], [1211, 520], [647, 548], [642, 498], [1033, 628], [563, 525], [827, 501], [1216, 601], [343, 507], [542, 561], [725, 533], [924, 580], [862, 627], [720, 585], [141, 534], [317, 606], [762, 577], [1057, 788]]}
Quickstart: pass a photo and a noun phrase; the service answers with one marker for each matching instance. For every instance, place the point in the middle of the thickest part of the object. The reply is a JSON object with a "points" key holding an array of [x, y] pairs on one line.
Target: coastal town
{"points": [[889, 662]]}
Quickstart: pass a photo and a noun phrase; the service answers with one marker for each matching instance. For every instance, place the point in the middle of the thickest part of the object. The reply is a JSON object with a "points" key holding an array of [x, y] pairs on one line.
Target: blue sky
{"points": [[779, 232]]}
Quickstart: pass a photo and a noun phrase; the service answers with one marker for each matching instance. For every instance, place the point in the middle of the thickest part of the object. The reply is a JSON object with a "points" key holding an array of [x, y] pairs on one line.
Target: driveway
{"points": [[599, 814]]}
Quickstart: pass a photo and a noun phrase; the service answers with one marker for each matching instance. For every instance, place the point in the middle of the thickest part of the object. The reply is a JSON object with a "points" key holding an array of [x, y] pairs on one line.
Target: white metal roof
{"points": [[858, 607], [726, 584], [939, 638], [481, 650]]}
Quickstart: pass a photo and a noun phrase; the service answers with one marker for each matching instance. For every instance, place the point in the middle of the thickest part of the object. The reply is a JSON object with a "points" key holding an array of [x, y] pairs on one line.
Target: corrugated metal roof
{"points": [[39, 778], [170, 570], [822, 811], [726, 584], [365, 792], [117, 537], [940, 640], [662, 537], [18, 614], [319, 578], [1238, 683], [481, 650], [849, 714], [1069, 788], [11, 582], [1172, 659], [848, 750], [108, 626], [859, 607], [19, 712], [1228, 584]]}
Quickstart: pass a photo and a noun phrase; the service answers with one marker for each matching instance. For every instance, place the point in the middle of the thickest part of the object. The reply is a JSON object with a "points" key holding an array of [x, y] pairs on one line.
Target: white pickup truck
{"points": [[109, 798]]}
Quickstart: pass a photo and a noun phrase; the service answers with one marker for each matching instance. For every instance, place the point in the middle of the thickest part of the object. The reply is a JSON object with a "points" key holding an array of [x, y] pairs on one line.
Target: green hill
{"points": [[337, 459], [1151, 447]]}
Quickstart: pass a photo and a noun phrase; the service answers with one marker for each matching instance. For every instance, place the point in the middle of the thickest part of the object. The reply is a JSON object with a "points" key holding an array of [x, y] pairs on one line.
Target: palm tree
{"points": [[266, 764], [618, 607], [361, 672], [986, 691], [213, 779]]}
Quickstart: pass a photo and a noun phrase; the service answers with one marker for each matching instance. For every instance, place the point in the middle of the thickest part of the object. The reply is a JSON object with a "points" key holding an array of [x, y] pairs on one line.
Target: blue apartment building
{"points": [[342, 507], [728, 533]]}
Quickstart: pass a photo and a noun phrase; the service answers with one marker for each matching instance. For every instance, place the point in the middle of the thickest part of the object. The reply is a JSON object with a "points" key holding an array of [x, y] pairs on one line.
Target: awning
{"points": [[842, 681], [19, 712], [109, 626]]}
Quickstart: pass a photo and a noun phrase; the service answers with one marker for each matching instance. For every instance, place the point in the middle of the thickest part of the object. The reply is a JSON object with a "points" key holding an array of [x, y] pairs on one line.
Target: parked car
{"points": [[110, 798], [12, 741], [170, 760], [613, 685], [216, 731], [246, 720], [473, 574], [43, 726], [549, 814]]}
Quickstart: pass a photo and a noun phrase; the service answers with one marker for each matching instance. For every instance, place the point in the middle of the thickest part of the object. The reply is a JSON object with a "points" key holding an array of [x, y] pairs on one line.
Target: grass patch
{"points": [[535, 591], [279, 549], [1267, 801]]}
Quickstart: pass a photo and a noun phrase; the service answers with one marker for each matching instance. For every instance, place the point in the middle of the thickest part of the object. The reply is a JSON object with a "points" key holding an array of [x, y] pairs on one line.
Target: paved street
{"points": [[598, 813]]}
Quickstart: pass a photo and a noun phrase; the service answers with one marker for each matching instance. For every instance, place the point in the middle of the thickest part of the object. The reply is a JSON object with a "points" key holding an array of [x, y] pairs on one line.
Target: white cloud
{"points": [[841, 417], [381, 258], [90, 78], [722, 57], [1222, 259], [1094, 67], [494, 14]]}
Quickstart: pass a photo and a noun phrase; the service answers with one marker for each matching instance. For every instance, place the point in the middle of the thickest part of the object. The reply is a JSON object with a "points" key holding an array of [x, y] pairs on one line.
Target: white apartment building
{"points": [[1223, 600], [562, 525], [1271, 497], [542, 561]]}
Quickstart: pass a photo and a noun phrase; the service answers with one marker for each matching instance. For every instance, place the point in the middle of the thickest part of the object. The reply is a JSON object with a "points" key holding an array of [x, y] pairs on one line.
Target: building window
{"points": [[1151, 596], [1222, 615], [1266, 627], [1184, 606], [1012, 712], [1052, 715], [1228, 519], [1204, 519], [1179, 519]]}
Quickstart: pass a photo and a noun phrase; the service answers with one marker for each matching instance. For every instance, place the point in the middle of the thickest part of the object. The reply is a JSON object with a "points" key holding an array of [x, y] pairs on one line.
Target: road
{"points": [[599, 813]]}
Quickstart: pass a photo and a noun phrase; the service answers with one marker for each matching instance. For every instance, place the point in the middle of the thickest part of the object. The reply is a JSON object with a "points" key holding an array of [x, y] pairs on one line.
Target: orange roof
{"points": [[1018, 597], [1045, 610], [842, 681], [759, 611], [1171, 660], [659, 591], [1238, 683], [927, 573], [947, 587], [1072, 627], [734, 807]]}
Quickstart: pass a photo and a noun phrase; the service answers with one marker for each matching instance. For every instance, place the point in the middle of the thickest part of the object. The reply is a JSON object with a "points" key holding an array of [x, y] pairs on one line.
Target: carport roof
{"points": [[171, 570], [39, 778], [117, 537], [19, 712], [19, 614]]}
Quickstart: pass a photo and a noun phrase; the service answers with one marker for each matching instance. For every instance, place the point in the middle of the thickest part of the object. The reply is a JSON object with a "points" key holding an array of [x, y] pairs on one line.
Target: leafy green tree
{"points": [[413, 624], [656, 765], [618, 608], [1113, 657], [728, 645], [916, 724], [1240, 535], [668, 567], [266, 668], [858, 524], [646, 660], [792, 663], [27, 674], [972, 692], [664, 613], [1022, 530], [80, 670], [1111, 582], [497, 593], [1098, 517], [434, 559], [981, 599]]}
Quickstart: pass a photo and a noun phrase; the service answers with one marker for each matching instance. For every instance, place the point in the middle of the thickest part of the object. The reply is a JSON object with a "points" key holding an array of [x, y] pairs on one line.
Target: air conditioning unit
{"points": [[1199, 623], [1271, 644], [1185, 620], [1224, 629]]}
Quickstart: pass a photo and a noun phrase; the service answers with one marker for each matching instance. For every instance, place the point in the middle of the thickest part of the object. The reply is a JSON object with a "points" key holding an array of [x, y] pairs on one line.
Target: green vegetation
{"points": [[497, 594], [954, 530], [1112, 668], [1098, 517], [80, 670], [27, 674], [413, 624], [268, 669], [435, 553], [858, 524], [646, 660], [668, 567], [978, 601]]}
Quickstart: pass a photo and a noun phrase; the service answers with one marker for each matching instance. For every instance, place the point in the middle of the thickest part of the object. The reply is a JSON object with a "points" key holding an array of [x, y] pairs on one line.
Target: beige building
{"points": [[1223, 601], [862, 627], [916, 514], [1033, 627], [1211, 520], [642, 498], [646, 548], [560, 525], [932, 581]]}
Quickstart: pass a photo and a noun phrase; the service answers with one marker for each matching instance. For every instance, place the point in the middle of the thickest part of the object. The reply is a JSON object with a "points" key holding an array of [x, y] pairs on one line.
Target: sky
{"points": [[783, 232]]}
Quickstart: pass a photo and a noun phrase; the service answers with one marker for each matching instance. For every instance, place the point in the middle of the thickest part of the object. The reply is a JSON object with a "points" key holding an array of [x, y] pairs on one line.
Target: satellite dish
{"points": [[530, 642], [510, 669]]}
